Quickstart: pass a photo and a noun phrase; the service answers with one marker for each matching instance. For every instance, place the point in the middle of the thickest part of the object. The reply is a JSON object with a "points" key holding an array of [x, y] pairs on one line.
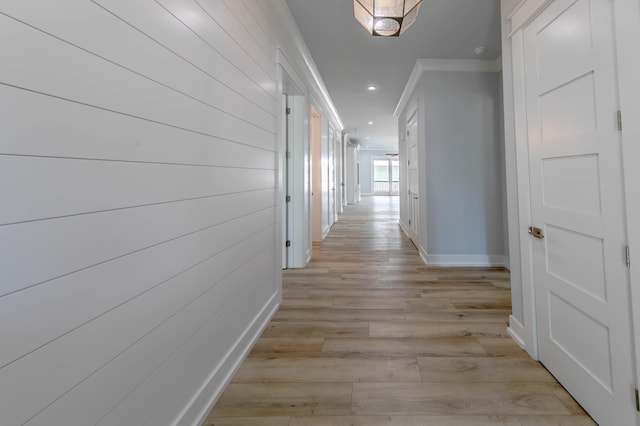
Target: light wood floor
{"points": [[369, 336]]}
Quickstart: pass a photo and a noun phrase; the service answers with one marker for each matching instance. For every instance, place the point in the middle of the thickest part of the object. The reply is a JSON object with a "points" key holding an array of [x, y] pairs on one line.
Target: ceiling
{"points": [[349, 59]]}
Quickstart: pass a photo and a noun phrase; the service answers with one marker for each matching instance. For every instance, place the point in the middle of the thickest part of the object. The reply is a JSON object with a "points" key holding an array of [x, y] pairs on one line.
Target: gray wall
{"points": [[463, 163]]}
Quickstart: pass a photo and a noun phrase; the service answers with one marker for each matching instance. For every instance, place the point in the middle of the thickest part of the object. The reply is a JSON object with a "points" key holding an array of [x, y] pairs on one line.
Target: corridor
{"points": [[367, 335]]}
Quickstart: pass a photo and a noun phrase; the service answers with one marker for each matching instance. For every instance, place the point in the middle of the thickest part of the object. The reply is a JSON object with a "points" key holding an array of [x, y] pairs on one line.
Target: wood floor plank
{"points": [[415, 304], [274, 346], [570, 403], [479, 369], [501, 347], [437, 329], [367, 335], [328, 370], [247, 421], [455, 399], [556, 421], [390, 347], [306, 329], [284, 399], [454, 315], [320, 314], [406, 421]]}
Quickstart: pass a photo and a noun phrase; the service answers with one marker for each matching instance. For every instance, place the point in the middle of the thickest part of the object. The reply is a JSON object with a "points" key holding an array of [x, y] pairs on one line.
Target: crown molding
{"points": [[452, 65], [302, 57]]}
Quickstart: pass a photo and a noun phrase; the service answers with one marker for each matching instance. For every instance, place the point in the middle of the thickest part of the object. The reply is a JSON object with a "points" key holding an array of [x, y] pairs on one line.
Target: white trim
{"points": [[388, 159], [627, 27], [499, 63], [460, 65], [512, 257], [403, 226], [516, 330], [456, 65], [462, 260], [283, 12], [524, 193], [525, 12], [196, 411], [325, 231], [480, 260]]}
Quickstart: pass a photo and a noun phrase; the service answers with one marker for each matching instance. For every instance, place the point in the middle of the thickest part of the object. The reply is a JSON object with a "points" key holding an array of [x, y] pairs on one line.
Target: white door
{"points": [[412, 178], [580, 275]]}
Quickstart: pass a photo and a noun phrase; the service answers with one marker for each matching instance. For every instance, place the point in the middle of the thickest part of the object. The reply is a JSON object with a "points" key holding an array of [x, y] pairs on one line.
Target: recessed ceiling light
{"points": [[371, 88], [370, 123], [368, 137]]}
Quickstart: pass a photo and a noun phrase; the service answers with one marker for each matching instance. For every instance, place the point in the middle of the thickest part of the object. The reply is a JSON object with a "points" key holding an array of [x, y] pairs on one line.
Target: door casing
{"points": [[627, 29]]}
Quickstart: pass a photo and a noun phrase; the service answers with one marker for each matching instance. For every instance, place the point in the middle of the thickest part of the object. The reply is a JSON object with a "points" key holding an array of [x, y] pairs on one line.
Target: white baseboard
{"points": [[516, 331], [458, 259], [462, 259], [325, 231], [203, 401], [507, 262], [404, 227]]}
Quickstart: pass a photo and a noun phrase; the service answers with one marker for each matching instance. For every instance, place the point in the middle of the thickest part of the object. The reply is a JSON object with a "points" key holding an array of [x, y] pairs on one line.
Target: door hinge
{"points": [[288, 154], [620, 120], [288, 243], [288, 198], [637, 400], [288, 110], [627, 254]]}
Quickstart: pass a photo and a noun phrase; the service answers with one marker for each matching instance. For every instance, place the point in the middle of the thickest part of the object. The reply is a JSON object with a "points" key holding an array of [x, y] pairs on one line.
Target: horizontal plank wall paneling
{"points": [[138, 222], [35, 125]]}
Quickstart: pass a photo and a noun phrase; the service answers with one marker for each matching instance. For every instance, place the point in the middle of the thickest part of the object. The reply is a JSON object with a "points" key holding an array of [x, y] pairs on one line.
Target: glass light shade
{"points": [[386, 18]]}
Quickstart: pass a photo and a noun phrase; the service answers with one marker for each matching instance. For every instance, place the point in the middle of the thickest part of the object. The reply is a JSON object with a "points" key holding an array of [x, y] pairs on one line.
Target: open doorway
{"points": [[386, 176], [294, 196]]}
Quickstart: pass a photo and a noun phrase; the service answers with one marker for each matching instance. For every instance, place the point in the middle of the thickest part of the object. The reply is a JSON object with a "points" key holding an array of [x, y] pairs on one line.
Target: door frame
{"points": [[389, 161], [414, 230], [293, 169], [627, 31]]}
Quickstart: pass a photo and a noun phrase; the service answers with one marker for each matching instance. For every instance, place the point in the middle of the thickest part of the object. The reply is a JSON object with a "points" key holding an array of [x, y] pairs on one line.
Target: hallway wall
{"points": [[460, 161], [462, 164], [138, 224]]}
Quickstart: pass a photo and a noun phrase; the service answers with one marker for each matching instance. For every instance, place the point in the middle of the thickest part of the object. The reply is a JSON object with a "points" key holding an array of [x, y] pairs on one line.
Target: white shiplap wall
{"points": [[138, 152]]}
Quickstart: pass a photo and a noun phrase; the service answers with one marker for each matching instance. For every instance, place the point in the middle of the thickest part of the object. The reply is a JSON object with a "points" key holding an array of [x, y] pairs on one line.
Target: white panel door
{"points": [[412, 178], [580, 276]]}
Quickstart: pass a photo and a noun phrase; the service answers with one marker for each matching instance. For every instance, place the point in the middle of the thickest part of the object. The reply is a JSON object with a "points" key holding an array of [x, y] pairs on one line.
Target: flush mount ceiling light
{"points": [[480, 50], [386, 18]]}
